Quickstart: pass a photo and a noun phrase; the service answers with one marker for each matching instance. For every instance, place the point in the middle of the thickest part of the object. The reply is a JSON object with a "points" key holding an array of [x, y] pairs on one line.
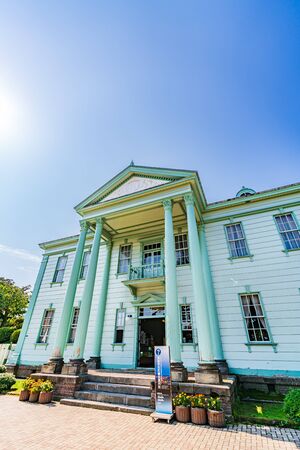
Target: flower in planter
{"points": [[214, 404], [198, 401], [47, 386], [35, 386], [182, 399], [27, 383]]}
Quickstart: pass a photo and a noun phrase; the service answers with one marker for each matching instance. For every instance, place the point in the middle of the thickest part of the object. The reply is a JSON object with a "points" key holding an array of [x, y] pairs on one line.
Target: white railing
{"points": [[146, 271]]}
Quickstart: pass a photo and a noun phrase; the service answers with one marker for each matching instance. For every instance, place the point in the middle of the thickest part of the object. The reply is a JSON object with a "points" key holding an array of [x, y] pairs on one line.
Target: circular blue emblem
{"points": [[158, 351]]}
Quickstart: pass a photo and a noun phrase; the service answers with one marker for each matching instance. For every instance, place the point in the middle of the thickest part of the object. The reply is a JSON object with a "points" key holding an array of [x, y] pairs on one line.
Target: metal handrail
{"points": [[146, 271]]}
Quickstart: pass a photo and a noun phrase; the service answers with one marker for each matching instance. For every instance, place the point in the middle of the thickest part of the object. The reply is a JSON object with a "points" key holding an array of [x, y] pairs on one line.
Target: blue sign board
{"points": [[163, 384]]}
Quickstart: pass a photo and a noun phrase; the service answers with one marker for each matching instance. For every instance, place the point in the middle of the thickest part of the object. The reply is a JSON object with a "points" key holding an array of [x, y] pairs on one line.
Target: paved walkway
{"points": [[33, 426]]}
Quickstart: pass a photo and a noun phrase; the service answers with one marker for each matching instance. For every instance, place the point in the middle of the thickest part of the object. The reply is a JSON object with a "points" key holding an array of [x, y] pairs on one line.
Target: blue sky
{"points": [[85, 87]]}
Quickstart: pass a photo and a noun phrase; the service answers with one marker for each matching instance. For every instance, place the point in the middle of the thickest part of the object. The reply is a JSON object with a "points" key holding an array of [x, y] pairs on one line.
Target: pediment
{"points": [[131, 180], [134, 184], [149, 299]]}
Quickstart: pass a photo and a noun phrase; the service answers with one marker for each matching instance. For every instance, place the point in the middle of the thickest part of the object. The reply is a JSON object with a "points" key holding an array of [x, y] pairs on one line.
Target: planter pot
{"points": [[183, 413], [24, 396], [45, 397], [216, 418], [34, 396], [199, 416]]}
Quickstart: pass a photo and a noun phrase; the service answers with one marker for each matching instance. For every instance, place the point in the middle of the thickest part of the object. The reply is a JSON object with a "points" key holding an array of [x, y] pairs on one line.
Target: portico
{"points": [[154, 216]]}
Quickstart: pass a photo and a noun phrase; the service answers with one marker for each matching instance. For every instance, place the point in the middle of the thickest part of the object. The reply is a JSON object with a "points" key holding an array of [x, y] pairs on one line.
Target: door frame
{"points": [[138, 336]]}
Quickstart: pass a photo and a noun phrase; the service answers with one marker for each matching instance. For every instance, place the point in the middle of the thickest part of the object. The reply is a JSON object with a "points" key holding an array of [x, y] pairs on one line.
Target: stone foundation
{"points": [[64, 385], [279, 384], [22, 370]]}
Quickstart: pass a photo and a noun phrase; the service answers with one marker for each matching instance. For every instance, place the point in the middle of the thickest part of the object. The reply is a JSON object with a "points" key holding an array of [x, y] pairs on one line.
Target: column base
{"points": [[11, 369], [208, 373], [74, 367], [54, 365], [178, 372], [222, 366], [94, 362]]}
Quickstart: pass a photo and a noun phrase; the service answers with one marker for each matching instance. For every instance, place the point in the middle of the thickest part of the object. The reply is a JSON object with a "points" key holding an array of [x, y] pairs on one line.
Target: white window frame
{"points": [[45, 327], [124, 259], [286, 233], [233, 243], [60, 271], [120, 324], [186, 325], [85, 265], [74, 323], [249, 302], [182, 259]]}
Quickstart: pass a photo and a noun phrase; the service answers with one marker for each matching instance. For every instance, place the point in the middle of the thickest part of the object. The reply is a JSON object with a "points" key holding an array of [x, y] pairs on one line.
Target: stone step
{"points": [[118, 378], [107, 406], [112, 397], [117, 388]]}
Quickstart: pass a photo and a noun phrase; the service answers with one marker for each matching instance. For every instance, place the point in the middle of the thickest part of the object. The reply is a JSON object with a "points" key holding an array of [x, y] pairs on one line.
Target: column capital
{"points": [[99, 220], [189, 198], [167, 204], [84, 225]]}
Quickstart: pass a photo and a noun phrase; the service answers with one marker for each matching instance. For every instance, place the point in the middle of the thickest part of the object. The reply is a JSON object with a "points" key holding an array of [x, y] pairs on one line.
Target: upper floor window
{"points": [[60, 269], [85, 265], [186, 324], [46, 326], [73, 325], [254, 318], [289, 231], [236, 240], [182, 249], [120, 325], [124, 258]]}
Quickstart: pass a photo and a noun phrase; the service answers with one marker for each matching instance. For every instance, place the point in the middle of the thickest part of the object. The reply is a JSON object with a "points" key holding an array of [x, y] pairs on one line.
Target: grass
{"points": [[16, 388], [262, 413]]}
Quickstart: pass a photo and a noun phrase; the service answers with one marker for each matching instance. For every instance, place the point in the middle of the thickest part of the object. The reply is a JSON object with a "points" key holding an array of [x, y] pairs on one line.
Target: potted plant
{"points": [[46, 392], [215, 412], [25, 391], [198, 409], [182, 403], [35, 389]]}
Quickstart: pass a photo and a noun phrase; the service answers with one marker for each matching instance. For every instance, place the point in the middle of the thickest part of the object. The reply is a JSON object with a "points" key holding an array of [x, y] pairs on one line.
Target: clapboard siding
{"points": [[271, 272]]}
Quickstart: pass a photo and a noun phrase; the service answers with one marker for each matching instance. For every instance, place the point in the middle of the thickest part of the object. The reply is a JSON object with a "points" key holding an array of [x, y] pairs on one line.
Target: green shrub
{"points": [[291, 406], [15, 336], [2, 368], [6, 382], [5, 333]]}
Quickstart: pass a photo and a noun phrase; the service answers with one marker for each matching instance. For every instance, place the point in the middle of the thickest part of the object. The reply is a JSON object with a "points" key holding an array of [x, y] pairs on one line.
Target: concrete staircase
{"points": [[115, 391]]}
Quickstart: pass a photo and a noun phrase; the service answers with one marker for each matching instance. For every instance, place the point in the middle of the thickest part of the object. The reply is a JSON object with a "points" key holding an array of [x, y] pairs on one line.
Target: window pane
{"points": [[181, 248], [46, 325], [186, 324], [124, 258], [254, 318], [236, 241]]}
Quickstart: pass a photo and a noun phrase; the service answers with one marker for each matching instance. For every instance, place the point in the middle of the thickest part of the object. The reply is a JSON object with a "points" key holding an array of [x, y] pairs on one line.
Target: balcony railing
{"points": [[146, 271]]}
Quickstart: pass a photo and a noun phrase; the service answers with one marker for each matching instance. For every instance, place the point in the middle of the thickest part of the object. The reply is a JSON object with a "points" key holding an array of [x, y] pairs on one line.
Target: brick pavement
{"points": [[33, 426]]}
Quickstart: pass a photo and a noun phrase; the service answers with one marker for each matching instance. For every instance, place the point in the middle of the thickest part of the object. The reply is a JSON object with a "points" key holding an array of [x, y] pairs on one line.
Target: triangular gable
{"points": [[131, 180], [136, 183], [149, 299]]}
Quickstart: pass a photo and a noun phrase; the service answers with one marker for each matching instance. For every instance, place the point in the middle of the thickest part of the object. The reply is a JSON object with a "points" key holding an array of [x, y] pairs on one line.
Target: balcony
{"points": [[147, 275]]}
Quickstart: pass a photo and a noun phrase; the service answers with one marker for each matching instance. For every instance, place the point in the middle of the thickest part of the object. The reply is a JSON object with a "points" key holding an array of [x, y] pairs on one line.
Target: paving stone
{"points": [[34, 426]]}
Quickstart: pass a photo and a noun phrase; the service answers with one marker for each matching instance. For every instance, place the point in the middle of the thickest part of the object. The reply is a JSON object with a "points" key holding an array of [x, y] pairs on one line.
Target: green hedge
{"points": [[5, 333], [291, 405], [2, 368], [6, 382], [15, 336]]}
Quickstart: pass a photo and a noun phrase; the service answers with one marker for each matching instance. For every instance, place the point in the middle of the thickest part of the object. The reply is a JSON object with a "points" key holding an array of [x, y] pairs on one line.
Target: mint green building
{"points": [[154, 263]]}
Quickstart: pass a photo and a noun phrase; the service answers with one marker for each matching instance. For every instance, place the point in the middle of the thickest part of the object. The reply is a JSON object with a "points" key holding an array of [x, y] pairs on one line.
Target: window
{"points": [[186, 324], [85, 265], [236, 240], [182, 249], [60, 269], [73, 325], [289, 231], [254, 318], [124, 258], [120, 325], [46, 325]]}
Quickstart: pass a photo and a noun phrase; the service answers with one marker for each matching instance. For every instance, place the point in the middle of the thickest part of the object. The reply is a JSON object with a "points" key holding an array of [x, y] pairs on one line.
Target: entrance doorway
{"points": [[151, 333]]}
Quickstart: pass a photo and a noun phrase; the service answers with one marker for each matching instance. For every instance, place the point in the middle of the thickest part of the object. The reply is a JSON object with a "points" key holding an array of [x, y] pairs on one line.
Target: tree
{"points": [[13, 301]]}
